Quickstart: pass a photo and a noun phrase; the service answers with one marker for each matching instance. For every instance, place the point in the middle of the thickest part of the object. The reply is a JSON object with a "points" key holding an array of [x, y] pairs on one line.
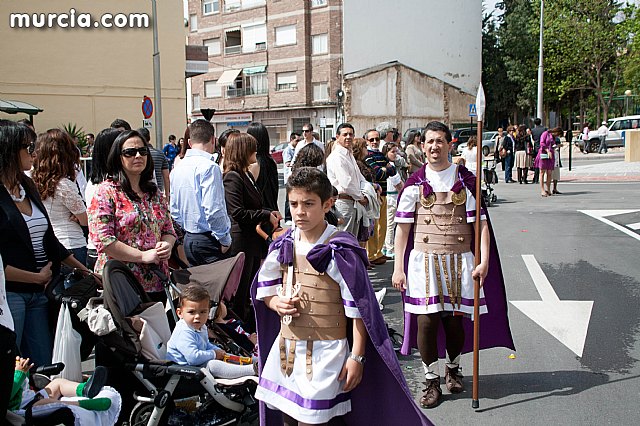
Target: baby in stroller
{"points": [[189, 343], [234, 328], [22, 397]]}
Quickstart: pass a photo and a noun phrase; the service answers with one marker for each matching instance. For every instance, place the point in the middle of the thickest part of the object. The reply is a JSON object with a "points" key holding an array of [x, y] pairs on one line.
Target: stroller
{"points": [[490, 178], [163, 392]]}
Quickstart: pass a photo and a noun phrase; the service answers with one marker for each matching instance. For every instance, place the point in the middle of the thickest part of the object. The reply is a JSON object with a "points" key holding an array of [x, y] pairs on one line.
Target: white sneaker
{"points": [[380, 297]]}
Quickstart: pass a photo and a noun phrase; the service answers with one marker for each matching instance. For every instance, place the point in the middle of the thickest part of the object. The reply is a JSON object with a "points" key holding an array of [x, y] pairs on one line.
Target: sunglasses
{"points": [[374, 140], [30, 147], [131, 152], [305, 130]]}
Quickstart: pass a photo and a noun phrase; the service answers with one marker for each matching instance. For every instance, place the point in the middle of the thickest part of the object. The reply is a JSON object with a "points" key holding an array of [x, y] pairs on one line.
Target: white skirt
{"points": [[309, 401], [438, 300]]}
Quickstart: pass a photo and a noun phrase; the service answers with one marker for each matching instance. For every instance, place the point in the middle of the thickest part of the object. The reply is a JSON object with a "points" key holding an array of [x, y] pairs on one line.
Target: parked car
{"points": [[411, 129], [615, 137], [488, 143], [459, 136], [276, 152]]}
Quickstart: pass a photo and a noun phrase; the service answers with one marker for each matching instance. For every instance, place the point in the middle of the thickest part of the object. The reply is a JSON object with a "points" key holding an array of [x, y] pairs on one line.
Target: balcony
{"points": [[233, 50], [197, 60], [248, 91]]}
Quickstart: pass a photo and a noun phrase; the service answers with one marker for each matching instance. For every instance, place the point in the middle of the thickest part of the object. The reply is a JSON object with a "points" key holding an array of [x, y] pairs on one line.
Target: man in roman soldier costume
{"points": [[434, 237]]}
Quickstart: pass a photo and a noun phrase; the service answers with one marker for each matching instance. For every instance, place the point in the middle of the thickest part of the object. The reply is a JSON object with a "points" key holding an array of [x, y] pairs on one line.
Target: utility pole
{"points": [[157, 91], [540, 110]]}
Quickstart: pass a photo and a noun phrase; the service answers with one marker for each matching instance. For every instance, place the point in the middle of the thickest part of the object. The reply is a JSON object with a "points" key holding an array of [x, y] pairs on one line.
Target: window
{"points": [[212, 90], [213, 44], [193, 23], [320, 92], [210, 6], [232, 5], [254, 37], [256, 84], [233, 43], [319, 44], [286, 35], [195, 103], [316, 3], [252, 81], [286, 81]]}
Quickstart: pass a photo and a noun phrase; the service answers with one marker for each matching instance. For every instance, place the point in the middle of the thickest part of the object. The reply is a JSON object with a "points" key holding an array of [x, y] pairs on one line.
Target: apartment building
{"points": [[274, 61]]}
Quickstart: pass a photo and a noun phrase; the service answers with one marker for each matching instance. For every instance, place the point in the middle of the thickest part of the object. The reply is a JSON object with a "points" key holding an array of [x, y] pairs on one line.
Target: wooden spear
{"points": [[480, 107]]}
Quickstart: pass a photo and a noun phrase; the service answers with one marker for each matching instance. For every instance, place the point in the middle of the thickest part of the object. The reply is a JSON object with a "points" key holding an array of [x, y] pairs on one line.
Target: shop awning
{"points": [[254, 70], [15, 107], [228, 77]]}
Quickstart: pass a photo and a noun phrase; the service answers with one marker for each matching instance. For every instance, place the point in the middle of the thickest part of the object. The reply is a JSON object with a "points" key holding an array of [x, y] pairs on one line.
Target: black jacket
{"points": [[15, 241]]}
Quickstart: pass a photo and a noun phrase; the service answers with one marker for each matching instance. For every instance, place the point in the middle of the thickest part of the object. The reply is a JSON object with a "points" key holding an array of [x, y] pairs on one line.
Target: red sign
{"points": [[147, 107]]}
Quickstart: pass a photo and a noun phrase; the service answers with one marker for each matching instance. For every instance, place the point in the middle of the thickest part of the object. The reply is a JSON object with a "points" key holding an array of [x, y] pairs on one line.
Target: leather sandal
{"points": [[453, 379], [432, 394]]}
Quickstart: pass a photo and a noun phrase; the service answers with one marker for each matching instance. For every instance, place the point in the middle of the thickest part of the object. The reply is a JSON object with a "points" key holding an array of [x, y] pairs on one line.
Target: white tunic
{"points": [[416, 300], [321, 398]]}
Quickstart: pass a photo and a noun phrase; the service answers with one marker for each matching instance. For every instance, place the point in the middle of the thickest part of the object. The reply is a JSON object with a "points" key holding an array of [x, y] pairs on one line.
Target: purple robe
{"points": [[382, 397], [494, 325]]}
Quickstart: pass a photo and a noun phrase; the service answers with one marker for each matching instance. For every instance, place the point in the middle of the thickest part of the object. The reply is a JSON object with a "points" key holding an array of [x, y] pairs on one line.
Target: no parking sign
{"points": [[147, 107]]}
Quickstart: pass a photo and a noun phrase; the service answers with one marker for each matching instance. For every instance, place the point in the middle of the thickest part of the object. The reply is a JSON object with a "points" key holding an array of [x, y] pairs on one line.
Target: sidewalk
{"points": [[612, 171]]}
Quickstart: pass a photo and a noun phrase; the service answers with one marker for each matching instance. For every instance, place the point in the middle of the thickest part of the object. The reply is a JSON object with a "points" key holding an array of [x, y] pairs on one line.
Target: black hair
{"points": [[537, 121], [311, 155], [311, 180], [309, 126], [101, 149], [260, 132], [193, 293], [364, 136], [334, 191], [117, 173], [13, 138], [436, 126], [145, 134], [26, 122], [92, 135], [201, 131], [411, 137], [294, 135], [173, 137], [222, 140], [344, 125], [119, 122]]}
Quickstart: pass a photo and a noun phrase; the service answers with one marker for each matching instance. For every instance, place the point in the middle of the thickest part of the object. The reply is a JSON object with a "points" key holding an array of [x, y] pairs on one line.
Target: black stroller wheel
{"points": [[142, 411]]}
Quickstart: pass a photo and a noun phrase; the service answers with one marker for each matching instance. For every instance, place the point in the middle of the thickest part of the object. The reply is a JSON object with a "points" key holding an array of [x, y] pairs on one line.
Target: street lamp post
{"points": [[540, 112], [157, 93], [627, 95]]}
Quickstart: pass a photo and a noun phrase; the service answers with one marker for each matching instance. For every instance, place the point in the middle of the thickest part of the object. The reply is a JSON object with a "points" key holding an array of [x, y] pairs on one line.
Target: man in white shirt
{"points": [[307, 138], [603, 131], [345, 176], [287, 159]]}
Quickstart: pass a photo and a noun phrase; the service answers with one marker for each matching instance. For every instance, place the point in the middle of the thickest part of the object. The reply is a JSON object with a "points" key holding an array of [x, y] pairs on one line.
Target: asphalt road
{"points": [[584, 259]]}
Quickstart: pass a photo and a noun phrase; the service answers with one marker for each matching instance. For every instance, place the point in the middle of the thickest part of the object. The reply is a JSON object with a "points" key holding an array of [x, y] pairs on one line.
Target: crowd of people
{"points": [[204, 199]]}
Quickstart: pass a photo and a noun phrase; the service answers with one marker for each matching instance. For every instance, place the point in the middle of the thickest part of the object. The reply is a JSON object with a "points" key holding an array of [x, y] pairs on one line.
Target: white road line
{"points": [[547, 293], [601, 214], [634, 226]]}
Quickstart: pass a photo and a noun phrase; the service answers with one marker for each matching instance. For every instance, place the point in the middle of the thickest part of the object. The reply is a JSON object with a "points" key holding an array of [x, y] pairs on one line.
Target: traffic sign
{"points": [[472, 110], [147, 123], [147, 107]]}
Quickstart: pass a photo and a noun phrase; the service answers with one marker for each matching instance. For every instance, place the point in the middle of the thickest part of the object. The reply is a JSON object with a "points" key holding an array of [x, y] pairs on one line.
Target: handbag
{"points": [[503, 152], [544, 156]]}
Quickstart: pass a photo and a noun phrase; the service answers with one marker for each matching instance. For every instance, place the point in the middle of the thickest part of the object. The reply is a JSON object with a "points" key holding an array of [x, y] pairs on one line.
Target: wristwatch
{"points": [[357, 358]]}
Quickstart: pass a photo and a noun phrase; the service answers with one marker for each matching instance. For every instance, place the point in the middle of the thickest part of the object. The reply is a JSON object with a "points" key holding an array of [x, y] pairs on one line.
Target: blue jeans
{"points": [[30, 313], [508, 167], [603, 145], [80, 254]]}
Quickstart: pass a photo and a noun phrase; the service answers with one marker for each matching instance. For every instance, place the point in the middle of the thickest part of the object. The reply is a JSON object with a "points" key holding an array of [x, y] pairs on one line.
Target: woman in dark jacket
{"points": [[265, 169], [30, 250], [246, 211]]}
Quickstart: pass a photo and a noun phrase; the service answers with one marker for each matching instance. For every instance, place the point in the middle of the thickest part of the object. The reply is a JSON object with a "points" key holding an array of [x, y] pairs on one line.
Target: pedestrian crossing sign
{"points": [[472, 110]]}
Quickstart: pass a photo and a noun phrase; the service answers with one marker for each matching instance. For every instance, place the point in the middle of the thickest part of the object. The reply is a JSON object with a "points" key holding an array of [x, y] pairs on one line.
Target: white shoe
{"points": [[380, 296]]}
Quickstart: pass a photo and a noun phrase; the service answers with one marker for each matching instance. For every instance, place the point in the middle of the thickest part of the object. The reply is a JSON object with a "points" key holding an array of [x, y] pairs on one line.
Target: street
{"points": [[584, 260]]}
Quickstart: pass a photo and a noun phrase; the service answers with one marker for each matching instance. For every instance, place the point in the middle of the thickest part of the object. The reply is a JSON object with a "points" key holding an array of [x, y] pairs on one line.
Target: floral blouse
{"points": [[113, 216]]}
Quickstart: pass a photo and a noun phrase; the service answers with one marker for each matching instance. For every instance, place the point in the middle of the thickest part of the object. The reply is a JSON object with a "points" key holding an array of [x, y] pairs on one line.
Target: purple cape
{"points": [[494, 325], [382, 397]]}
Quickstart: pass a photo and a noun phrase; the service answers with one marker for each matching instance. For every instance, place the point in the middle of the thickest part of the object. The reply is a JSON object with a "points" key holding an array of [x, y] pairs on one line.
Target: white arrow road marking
{"points": [[602, 214], [634, 226], [566, 320]]}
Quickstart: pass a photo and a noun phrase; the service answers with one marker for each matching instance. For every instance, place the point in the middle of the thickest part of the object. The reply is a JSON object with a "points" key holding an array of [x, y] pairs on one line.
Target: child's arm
{"points": [[187, 346], [352, 369], [282, 306], [19, 376]]}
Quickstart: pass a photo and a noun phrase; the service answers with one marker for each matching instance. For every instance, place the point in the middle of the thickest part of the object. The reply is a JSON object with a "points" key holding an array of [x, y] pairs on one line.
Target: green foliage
{"points": [[77, 134]]}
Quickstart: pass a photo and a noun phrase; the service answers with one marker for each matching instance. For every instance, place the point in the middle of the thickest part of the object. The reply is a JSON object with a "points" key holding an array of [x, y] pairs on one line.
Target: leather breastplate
{"points": [[441, 225], [321, 310]]}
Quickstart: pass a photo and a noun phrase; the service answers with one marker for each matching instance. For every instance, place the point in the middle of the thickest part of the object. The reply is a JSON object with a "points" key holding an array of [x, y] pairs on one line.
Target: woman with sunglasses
{"points": [[29, 248], [129, 219]]}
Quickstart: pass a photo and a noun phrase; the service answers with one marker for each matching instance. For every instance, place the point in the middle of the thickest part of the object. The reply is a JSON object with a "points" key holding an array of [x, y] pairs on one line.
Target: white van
{"points": [[615, 137]]}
